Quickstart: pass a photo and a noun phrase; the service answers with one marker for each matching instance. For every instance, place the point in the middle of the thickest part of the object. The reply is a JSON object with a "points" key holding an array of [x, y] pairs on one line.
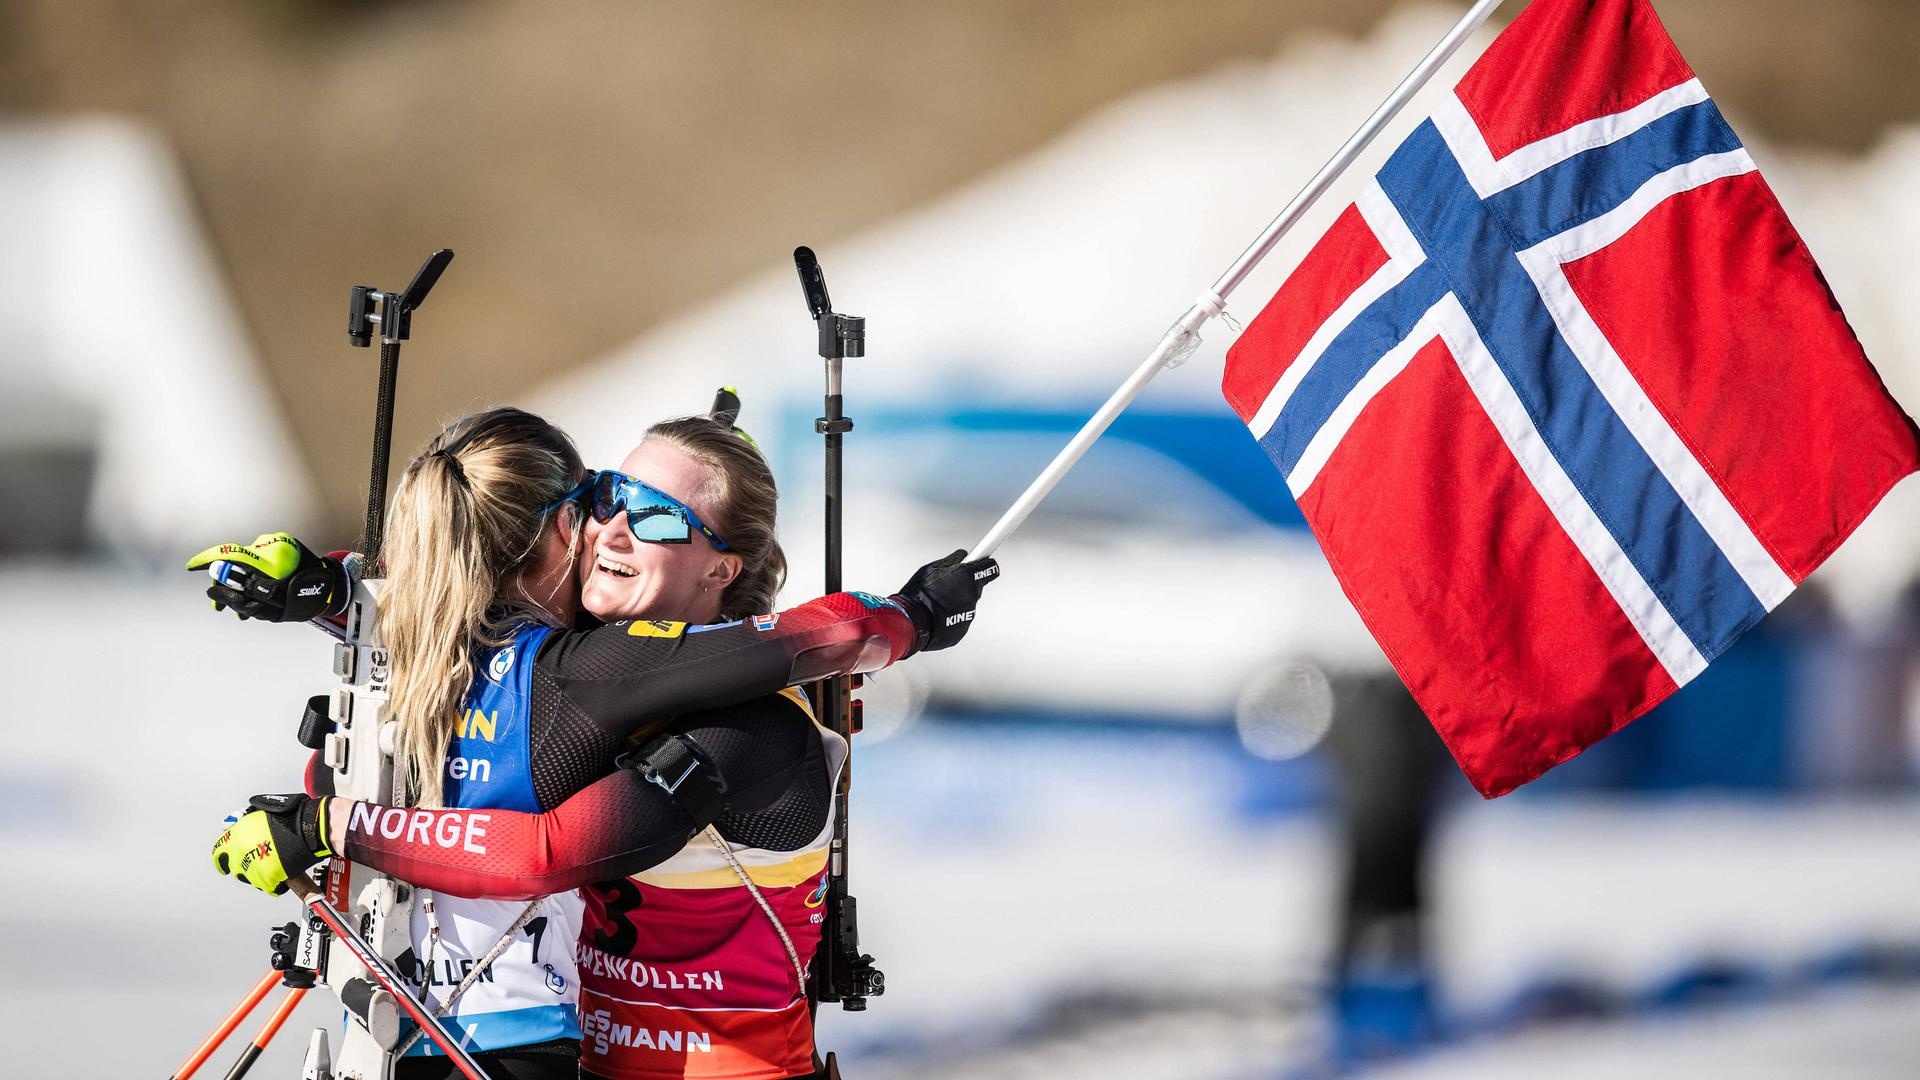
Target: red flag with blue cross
{"points": [[1563, 394]]}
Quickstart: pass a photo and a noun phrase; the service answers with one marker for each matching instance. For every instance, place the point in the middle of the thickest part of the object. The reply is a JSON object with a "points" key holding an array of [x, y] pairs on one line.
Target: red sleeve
{"points": [[620, 825], [319, 778], [842, 634], [336, 624]]}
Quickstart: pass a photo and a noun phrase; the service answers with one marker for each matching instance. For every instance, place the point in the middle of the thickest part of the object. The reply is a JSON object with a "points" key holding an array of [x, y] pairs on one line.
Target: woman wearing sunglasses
{"points": [[693, 968]]}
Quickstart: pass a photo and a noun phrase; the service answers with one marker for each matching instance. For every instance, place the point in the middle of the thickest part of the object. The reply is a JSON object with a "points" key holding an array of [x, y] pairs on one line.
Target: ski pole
{"points": [[267, 1032], [383, 975], [260, 990]]}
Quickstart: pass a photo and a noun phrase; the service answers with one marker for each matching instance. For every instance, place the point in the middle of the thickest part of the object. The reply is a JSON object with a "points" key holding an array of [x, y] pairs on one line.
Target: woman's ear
{"points": [[722, 572]]}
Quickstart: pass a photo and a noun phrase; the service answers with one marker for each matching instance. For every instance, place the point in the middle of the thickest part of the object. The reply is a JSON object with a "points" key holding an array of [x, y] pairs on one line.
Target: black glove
{"points": [[274, 578], [940, 598]]}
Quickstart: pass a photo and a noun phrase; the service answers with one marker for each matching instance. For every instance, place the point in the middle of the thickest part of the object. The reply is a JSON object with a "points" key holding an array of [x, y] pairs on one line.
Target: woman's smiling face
{"points": [[625, 578]]}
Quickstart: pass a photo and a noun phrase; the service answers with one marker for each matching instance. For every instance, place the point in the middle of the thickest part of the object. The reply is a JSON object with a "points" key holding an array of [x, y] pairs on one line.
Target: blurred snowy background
{"points": [[1166, 814]]}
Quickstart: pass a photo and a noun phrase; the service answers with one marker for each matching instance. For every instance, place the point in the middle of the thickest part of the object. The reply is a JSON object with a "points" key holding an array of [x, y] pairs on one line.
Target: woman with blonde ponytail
{"points": [[602, 752], [481, 539]]}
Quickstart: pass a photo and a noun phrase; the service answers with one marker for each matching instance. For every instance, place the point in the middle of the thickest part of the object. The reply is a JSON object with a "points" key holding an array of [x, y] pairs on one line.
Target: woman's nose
{"points": [[611, 535]]}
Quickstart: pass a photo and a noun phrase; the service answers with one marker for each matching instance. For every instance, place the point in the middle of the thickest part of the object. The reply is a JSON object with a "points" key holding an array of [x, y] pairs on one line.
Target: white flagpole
{"points": [[1184, 335]]}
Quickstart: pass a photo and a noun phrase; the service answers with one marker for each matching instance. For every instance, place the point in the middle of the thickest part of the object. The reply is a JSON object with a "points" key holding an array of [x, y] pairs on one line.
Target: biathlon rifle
{"points": [[350, 729], [357, 742]]}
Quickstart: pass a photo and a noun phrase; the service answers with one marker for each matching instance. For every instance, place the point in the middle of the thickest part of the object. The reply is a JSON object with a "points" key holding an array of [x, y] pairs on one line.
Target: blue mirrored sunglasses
{"points": [[654, 516]]}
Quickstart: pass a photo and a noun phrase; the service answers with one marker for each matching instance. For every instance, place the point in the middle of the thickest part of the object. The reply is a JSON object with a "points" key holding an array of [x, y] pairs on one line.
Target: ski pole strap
{"points": [[676, 764]]}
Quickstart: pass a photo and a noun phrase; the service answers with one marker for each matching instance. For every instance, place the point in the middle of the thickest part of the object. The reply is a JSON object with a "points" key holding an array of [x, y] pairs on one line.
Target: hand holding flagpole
{"points": [[1184, 335]]}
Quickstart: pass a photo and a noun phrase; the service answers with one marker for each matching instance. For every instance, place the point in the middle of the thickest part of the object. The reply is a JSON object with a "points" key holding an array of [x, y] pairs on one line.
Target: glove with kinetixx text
{"points": [[275, 578], [941, 596], [278, 837]]}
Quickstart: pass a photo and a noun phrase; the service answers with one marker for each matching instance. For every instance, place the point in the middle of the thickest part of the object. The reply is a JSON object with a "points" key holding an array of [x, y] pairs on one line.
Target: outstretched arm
{"points": [[630, 676], [767, 751]]}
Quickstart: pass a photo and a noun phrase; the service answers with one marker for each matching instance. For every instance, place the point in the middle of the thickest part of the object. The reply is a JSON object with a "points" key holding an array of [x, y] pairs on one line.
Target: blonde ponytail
{"points": [[467, 516]]}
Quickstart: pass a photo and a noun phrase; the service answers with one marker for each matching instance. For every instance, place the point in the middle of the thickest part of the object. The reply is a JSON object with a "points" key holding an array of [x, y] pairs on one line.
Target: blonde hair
{"points": [[740, 488], [466, 517]]}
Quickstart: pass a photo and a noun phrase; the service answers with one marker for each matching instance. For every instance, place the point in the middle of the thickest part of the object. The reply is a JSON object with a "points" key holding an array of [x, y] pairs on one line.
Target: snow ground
{"points": [[1070, 903]]}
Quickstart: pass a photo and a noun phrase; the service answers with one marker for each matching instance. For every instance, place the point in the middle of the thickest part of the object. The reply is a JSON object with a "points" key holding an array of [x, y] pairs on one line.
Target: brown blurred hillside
{"points": [[598, 165]]}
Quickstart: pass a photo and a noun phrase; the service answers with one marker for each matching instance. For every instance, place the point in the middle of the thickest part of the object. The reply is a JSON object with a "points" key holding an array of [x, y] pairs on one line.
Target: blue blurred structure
{"points": [[1728, 729], [1212, 443], [979, 454]]}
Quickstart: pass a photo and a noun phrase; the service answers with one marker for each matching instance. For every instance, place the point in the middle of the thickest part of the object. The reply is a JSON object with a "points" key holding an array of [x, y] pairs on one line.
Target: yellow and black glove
{"points": [[275, 578], [280, 836]]}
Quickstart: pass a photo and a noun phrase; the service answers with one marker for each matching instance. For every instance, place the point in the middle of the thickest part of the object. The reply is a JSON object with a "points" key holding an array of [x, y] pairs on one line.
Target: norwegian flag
{"points": [[1563, 394]]}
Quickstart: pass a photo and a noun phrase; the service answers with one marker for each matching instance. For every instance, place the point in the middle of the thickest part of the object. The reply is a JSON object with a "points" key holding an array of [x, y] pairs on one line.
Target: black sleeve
{"points": [[597, 692]]}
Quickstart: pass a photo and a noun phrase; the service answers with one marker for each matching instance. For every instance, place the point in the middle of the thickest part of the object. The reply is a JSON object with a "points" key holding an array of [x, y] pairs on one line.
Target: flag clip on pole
{"points": [[841, 972], [1183, 337]]}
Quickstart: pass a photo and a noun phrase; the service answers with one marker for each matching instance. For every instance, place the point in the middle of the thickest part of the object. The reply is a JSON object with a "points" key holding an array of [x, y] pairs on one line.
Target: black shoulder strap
{"points": [[677, 765]]}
